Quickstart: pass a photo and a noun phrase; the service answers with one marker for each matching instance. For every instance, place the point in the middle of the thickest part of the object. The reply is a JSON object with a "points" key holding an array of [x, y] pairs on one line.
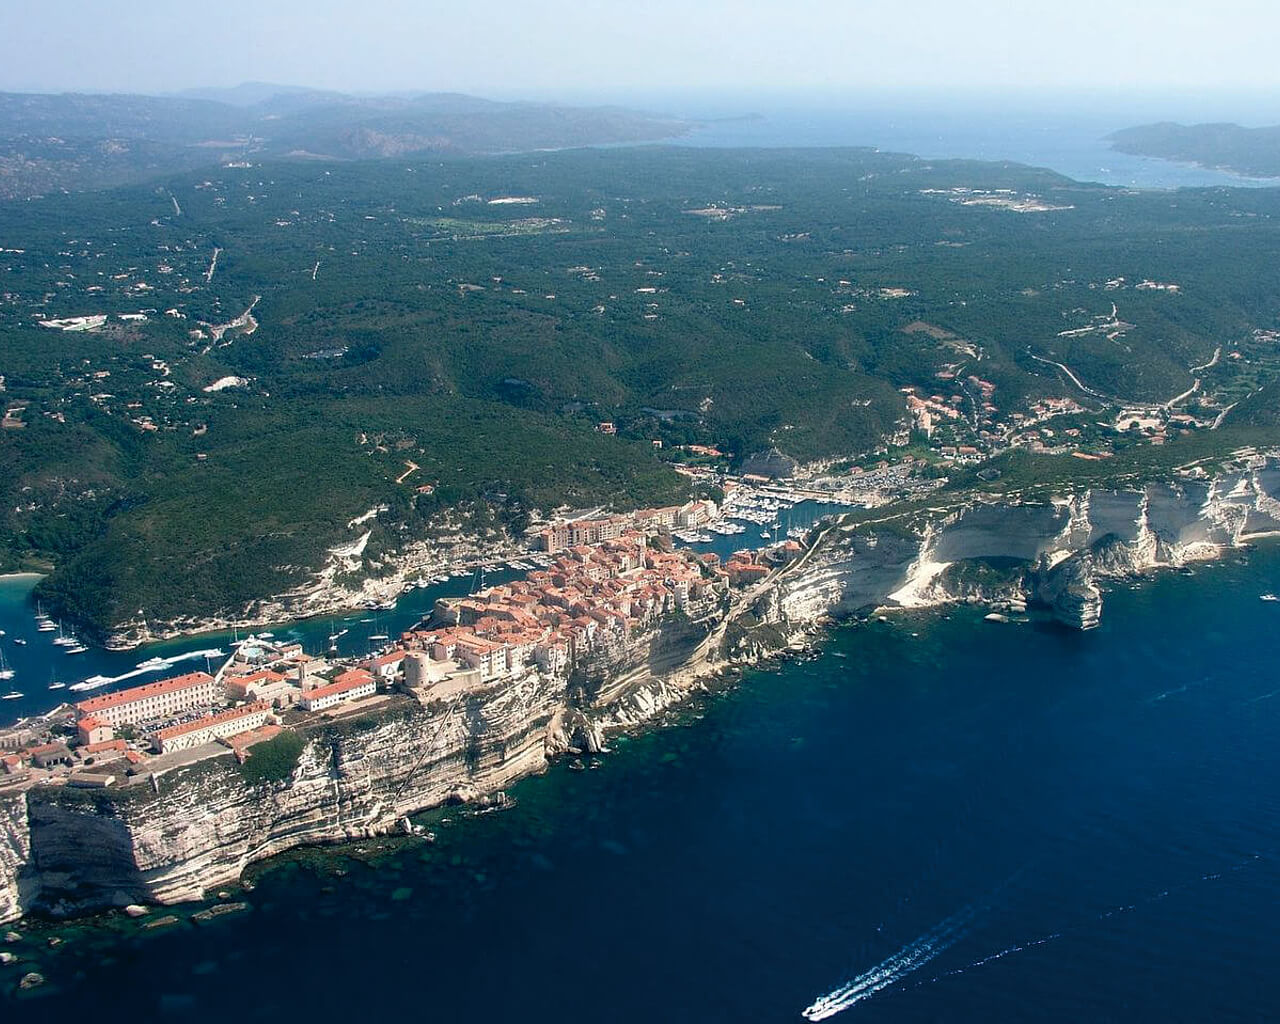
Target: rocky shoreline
{"points": [[67, 853]]}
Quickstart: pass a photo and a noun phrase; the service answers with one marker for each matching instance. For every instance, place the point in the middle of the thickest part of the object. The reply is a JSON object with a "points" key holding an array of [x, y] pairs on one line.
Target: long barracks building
{"points": [[152, 701]]}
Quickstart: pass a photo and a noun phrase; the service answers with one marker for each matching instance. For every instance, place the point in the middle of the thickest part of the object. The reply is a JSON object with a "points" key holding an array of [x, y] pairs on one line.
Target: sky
{"points": [[570, 50]]}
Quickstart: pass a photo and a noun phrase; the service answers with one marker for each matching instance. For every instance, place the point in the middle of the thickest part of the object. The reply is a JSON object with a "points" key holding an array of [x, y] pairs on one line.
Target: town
{"points": [[605, 580]]}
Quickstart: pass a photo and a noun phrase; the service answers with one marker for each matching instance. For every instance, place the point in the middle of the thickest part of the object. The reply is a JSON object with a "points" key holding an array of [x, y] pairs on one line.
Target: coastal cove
{"points": [[1119, 768]]}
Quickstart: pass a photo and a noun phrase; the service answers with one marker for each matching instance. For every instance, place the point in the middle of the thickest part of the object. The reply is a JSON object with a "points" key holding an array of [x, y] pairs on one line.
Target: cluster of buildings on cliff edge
{"points": [[589, 600], [569, 533]]}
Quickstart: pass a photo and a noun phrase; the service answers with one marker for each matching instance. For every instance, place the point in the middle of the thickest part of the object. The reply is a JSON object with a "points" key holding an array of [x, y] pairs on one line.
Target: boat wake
{"points": [[890, 971], [144, 668], [929, 946]]}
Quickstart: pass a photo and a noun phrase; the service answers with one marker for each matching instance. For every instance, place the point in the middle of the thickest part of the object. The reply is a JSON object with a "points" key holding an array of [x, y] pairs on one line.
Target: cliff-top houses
{"points": [[593, 598]]}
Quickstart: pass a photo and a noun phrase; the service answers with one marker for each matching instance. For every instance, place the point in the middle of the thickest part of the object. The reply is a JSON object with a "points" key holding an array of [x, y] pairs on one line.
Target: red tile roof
{"points": [[347, 681], [229, 715], [98, 748], [134, 693], [262, 675]]}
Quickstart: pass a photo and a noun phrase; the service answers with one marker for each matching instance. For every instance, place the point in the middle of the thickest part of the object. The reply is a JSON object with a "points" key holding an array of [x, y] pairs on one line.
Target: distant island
{"points": [[1227, 147]]}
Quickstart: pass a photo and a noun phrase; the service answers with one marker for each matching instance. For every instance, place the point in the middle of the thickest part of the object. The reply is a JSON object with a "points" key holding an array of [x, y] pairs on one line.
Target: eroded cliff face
{"points": [[15, 853], [69, 852], [1052, 554]]}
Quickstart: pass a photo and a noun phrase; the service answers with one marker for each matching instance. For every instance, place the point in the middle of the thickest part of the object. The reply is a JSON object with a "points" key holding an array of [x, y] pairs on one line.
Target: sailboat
{"points": [[5, 671]]}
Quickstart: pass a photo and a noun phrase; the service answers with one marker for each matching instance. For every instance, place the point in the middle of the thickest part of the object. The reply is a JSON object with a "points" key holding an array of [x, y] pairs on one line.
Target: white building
{"points": [[346, 687]]}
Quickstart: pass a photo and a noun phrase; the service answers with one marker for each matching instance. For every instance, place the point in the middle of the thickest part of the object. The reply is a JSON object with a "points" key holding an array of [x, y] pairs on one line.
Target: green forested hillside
{"points": [[478, 318]]}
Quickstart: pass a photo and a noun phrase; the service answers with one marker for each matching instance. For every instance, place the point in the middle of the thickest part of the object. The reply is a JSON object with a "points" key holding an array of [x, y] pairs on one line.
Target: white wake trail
{"points": [[889, 971]]}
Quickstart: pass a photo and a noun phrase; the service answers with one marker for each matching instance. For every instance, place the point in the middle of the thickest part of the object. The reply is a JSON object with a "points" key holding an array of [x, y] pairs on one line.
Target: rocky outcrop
{"points": [[65, 851], [1051, 554], [1068, 590]]}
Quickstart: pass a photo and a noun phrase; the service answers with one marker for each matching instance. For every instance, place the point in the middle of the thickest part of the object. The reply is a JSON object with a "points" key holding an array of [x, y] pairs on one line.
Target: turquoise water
{"points": [[938, 819]]}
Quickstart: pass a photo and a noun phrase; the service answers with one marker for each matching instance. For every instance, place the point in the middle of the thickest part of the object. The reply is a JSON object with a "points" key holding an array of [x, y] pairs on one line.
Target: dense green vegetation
{"points": [[478, 318], [275, 759]]}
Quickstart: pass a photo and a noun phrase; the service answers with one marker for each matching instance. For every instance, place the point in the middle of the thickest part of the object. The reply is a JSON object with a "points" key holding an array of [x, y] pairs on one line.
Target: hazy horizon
{"points": [[1117, 109], [1154, 55]]}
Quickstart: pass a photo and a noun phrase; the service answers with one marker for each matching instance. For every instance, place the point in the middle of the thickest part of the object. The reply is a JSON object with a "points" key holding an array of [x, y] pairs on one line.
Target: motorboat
{"points": [[92, 683]]}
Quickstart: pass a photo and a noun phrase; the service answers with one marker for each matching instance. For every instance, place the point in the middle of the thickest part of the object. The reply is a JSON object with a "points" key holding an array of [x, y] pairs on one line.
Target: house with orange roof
{"points": [[385, 666], [93, 730], [242, 687]]}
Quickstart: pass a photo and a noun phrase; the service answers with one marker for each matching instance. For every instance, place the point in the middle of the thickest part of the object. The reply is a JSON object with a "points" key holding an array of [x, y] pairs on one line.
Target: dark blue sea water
{"points": [[939, 819]]}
